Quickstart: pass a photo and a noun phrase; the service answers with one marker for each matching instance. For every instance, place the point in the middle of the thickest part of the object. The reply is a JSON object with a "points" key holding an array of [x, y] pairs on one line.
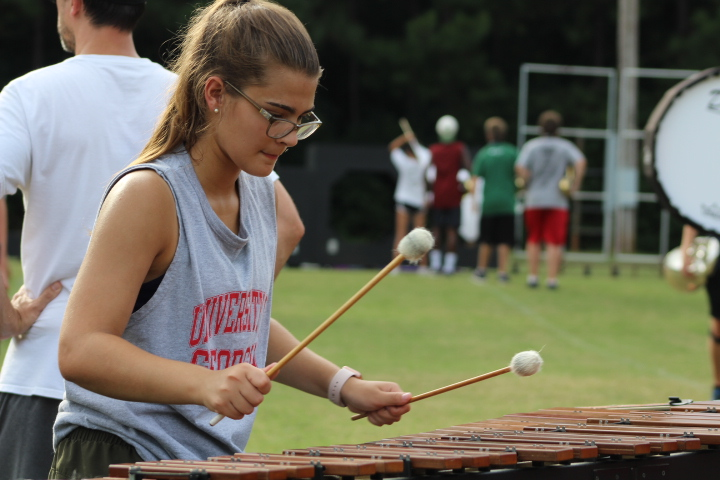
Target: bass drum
{"points": [[681, 154]]}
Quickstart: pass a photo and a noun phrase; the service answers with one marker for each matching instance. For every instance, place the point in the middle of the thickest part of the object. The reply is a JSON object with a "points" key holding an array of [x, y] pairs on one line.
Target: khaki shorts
{"points": [[89, 453]]}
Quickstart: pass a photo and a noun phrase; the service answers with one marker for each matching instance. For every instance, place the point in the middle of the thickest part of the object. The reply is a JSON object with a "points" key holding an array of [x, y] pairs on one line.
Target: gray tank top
{"points": [[212, 308]]}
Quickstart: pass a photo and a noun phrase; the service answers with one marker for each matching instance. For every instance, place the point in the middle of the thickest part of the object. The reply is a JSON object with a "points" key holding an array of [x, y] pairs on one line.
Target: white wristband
{"points": [[337, 382]]}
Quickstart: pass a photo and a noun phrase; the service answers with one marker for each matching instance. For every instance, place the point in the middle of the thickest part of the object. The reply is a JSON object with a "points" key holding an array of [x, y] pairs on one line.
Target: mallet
{"points": [[405, 127], [523, 364], [412, 247]]}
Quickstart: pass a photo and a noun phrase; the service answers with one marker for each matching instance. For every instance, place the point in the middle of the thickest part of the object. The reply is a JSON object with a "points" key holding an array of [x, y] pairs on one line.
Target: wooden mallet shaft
{"points": [[438, 391], [412, 247], [405, 126], [524, 364], [323, 326], [344, 308]]}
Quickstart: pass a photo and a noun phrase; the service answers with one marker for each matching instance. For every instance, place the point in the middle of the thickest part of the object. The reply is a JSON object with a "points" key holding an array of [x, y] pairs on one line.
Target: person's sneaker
{"points": [[503, 277], [552, 283], [478, 276], [532, 281]]}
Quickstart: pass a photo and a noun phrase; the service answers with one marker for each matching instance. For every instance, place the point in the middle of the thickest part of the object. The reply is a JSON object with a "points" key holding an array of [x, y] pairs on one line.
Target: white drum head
{"points": [[682, 150]]}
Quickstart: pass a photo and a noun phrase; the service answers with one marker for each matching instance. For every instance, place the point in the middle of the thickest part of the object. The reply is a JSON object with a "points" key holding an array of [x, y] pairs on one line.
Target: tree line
{"points": [[420, 59], [424, 58]]}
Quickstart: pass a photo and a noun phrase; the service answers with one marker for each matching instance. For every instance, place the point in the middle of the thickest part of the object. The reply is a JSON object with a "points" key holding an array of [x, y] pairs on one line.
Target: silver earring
{"points": [[217, 110]]}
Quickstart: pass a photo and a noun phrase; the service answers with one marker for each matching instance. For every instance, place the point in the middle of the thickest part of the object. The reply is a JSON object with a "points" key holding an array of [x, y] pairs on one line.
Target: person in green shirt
{"points": [[495, 163]]}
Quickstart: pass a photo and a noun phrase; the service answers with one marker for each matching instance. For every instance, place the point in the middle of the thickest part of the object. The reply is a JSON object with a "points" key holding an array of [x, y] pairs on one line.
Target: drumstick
{"points": [[412, 247], [523, 364], [405, 127]]}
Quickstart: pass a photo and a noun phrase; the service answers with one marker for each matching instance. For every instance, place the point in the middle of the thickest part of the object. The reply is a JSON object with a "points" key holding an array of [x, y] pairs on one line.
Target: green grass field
{"points": [[604, 339]]}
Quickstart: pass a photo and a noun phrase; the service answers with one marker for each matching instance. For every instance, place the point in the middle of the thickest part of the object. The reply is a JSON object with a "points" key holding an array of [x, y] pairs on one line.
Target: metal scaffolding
{"points": [[621, 185]]}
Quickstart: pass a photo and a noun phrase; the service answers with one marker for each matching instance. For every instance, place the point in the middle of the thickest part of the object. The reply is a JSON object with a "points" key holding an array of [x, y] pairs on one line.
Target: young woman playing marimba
{"points": [[169, 320]]}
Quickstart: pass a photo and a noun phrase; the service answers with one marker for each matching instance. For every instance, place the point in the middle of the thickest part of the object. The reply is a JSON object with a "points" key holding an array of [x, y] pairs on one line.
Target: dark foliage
{"points": [[385, 59]]}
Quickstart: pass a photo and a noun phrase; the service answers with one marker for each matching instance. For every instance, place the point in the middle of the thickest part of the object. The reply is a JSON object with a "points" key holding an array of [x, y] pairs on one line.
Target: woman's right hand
{"points": [[236, 391]]}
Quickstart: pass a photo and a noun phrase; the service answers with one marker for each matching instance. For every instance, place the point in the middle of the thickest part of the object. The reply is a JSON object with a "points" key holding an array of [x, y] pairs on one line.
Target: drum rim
{"points": [[651, 131]]}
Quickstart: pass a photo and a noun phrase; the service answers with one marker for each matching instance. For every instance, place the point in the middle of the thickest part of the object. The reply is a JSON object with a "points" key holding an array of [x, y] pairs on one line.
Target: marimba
{"points": [[663, 442]]}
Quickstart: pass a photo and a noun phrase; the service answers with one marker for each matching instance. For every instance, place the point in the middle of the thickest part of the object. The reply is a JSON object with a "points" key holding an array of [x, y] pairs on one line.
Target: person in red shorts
{"points": [[542, 163], [449, 158]]}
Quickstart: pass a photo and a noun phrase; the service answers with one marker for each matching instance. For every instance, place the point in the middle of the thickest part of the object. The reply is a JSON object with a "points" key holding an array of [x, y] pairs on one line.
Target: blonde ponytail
{"points": [[233, 39]]}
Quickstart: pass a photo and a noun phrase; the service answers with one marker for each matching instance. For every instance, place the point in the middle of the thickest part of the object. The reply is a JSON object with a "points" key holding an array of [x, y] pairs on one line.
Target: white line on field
{"points": [[579, 342]]}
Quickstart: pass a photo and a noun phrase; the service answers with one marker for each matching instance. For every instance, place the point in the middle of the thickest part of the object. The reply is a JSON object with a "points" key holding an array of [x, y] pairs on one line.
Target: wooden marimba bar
{"points": [[647, 442]]}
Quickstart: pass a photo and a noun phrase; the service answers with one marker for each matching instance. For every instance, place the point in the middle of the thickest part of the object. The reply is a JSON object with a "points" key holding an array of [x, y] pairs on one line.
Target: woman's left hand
{"points": [[385, 402]]}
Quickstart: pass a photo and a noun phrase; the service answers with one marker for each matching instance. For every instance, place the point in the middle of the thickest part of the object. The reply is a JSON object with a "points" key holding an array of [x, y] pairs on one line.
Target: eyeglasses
{"points": [[280, 127]]}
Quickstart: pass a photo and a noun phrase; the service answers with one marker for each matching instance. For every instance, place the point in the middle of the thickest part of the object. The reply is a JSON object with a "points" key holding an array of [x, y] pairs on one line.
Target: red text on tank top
{"points": [[228, 313]]}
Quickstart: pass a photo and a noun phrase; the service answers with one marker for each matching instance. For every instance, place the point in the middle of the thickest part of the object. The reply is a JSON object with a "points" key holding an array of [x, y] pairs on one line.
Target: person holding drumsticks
{"points": [[541, 164], [168, 323], [410, 159]]}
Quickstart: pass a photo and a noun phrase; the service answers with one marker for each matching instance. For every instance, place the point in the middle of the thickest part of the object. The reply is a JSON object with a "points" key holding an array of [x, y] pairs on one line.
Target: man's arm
{"points": [[580, 168], [289, 224], [689, 233], [466, 160], [477, 170], [397, 142], [19, 314], [4, 266], [523, 173]]}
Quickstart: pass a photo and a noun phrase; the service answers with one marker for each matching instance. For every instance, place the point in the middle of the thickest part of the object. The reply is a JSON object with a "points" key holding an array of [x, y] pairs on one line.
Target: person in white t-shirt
{"points": [[4, 267], [64, 131], [411, 160]]}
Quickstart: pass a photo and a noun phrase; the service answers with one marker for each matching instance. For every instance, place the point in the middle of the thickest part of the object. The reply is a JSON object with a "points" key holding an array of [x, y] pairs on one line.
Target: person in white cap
{"points": [[450, 160]]}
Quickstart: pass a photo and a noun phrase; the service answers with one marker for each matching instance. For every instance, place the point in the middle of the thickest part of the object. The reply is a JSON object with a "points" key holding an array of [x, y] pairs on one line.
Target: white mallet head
{"points": [[526, 363], [416, 244]]}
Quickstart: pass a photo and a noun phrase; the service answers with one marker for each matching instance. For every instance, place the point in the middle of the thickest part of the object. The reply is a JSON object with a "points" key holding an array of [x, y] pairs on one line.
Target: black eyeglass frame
{"points": [[304, 129]]}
